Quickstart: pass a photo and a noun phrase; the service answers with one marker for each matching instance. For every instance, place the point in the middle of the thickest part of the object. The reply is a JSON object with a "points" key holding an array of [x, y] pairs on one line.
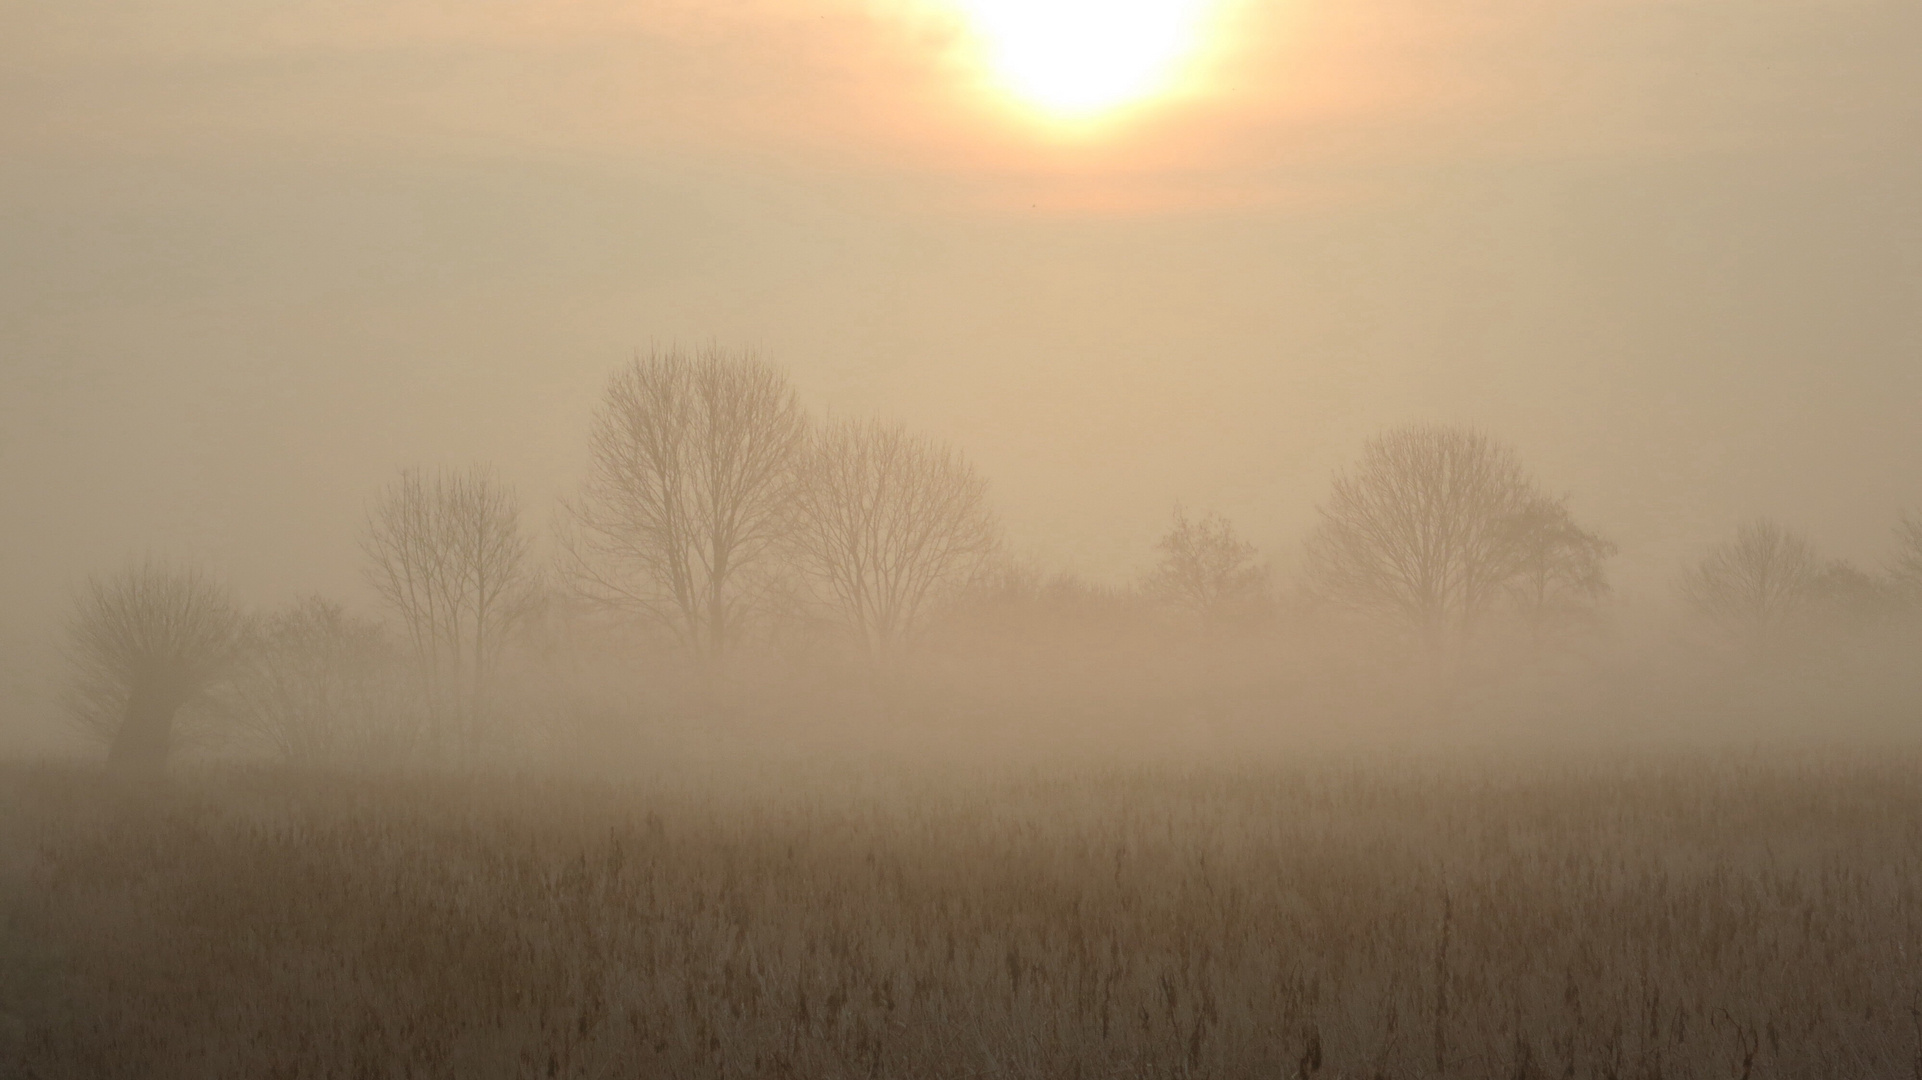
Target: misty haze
{"points": [[961, 539]]}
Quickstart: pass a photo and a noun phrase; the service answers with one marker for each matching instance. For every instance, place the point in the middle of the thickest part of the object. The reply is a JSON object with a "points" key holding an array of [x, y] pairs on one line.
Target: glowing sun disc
{"points": [[1079, 57]]}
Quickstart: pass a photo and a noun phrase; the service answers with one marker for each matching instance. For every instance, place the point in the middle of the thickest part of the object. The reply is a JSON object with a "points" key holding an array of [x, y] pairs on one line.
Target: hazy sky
{"points": [[254, 257]]}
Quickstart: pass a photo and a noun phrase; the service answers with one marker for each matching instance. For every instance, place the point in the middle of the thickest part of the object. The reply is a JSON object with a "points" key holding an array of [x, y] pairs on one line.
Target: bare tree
{"points": [[690, 472], [145, 643], [445, 551], [1559, 568], [1756, 586], [883, 522], [1849, 599], [1906, 568], [315, 683], [1435, 526], [1205, 568]]}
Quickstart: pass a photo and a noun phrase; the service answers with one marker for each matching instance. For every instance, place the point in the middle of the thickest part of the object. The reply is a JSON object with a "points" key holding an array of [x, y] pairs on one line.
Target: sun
{"points": [[1075, 59]]}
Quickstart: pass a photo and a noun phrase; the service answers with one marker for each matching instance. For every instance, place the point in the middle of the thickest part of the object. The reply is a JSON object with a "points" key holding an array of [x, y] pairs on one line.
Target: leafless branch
{"points": [[883, 522], [690, 471], [1436, 524], [446, 553], [143, 644]]}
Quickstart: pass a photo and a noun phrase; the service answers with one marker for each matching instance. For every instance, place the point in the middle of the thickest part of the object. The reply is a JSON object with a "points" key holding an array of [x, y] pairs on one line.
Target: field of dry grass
{"points": [[1664, 917]]}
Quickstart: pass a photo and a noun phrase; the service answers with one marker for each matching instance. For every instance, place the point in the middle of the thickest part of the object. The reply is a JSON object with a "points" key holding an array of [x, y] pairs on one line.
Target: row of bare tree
{"points": [[1437, 528], [710, 501], [1431, 532], [713, 506], [710, 497], [1768, 587]]}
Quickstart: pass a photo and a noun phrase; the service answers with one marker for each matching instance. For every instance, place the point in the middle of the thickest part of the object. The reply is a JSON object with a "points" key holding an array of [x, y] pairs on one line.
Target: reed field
{"points": [[1669, 915]]}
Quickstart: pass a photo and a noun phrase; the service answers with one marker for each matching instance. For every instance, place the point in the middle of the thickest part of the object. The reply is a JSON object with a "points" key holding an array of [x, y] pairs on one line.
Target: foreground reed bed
{"points": [[1693, 917]]}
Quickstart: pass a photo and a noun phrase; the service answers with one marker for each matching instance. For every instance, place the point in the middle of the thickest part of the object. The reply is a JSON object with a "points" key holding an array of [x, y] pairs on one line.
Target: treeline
{"points": [[726, 553]]}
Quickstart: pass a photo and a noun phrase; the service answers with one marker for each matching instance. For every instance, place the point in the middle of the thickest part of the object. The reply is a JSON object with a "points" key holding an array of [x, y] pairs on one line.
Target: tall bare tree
{"points": [[446, 552], [1756, 587], [883, 522], [690, 473], [1205, 568], [1432, 528], [145, 643]]}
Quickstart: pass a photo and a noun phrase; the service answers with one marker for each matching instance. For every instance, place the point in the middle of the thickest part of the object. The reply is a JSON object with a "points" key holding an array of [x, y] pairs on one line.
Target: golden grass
{"points": [[1662, 918]]}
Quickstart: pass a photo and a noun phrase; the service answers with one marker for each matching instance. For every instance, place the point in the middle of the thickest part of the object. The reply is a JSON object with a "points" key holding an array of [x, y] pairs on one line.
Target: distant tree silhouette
{"points": [[883, 523], [145, 643], [1756, 586], [445, 551], [1205, 568], [1905, 570], [1560, 568], [1435, 525], [314, 683], [1850, 598], [1013, 599], [690, 476]]}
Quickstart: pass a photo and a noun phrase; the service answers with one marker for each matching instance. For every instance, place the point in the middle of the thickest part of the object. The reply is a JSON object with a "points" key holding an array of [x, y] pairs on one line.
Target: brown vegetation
{"points": [[1742, 917]]}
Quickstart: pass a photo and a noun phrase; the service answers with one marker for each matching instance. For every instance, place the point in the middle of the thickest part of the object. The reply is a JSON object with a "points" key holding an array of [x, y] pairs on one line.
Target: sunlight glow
{"points": [[1076, 58]]}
